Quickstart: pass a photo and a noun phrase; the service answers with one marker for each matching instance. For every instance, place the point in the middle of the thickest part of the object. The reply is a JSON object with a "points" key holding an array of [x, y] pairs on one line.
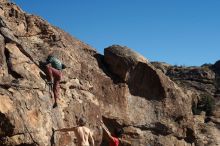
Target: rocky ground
{"points": [[155, 103]]}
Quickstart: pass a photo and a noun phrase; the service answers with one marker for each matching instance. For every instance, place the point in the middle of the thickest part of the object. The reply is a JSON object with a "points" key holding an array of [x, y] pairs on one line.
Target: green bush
{"points": [[206, 103]]}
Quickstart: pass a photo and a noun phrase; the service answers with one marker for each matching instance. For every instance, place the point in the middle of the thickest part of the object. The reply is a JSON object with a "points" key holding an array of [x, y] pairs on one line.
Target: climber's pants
{"points": [[56, 76]]}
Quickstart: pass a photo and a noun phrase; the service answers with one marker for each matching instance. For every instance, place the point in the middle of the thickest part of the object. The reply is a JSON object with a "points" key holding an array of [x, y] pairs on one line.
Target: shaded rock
{"points": [[6, 127], [217, 66], [121, 60], [144, 81], [2, 51], [132, 68], [2, 23]]}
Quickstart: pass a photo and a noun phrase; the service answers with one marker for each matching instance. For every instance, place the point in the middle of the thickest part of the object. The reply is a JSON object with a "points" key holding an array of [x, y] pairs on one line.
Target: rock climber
{"points": [[113, 139], [53, 69], [83, 134]]}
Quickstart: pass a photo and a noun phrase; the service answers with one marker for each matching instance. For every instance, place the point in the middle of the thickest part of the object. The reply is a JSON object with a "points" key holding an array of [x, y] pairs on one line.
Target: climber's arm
{"points": [[106, 131]]}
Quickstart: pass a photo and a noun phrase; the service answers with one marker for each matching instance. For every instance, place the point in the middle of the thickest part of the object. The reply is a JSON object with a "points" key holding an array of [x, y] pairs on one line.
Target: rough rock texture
{"points": [[121, 87], [121, 60], [203, 85]]}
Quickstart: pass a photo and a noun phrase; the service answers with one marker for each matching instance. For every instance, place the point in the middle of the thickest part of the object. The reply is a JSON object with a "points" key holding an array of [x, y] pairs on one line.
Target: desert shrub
{"points": [[206, 103]]}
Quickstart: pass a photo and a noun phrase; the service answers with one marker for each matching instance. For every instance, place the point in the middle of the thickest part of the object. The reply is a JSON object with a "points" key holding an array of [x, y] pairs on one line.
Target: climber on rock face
{"points": [[113, 139], [83, 134], [54, 67]]}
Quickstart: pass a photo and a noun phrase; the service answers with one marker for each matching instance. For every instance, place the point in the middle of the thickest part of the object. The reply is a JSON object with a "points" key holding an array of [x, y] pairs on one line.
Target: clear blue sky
{"points": [[179, 32]]}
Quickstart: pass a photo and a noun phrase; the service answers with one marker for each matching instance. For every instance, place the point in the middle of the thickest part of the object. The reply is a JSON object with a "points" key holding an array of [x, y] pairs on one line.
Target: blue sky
{"points": [[179, 32]]}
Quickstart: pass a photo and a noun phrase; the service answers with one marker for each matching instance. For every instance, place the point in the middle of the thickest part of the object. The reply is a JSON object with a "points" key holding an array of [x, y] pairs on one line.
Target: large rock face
{"points": [[121, 87], [203, 83]]}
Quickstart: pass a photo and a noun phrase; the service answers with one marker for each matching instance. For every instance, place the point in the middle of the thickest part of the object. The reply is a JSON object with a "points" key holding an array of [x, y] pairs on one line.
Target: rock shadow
{"points": [[112, 125], [105, 68], [6, 126], [145, 82]]}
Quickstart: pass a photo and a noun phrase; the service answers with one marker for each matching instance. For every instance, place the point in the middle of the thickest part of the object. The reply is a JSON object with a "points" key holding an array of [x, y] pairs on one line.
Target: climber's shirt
{"points": [[114, 141]]}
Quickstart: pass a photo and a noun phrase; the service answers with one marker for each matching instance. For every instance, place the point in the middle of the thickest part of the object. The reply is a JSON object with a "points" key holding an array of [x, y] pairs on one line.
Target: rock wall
{"points": [[121, 87], [202, 84]]}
